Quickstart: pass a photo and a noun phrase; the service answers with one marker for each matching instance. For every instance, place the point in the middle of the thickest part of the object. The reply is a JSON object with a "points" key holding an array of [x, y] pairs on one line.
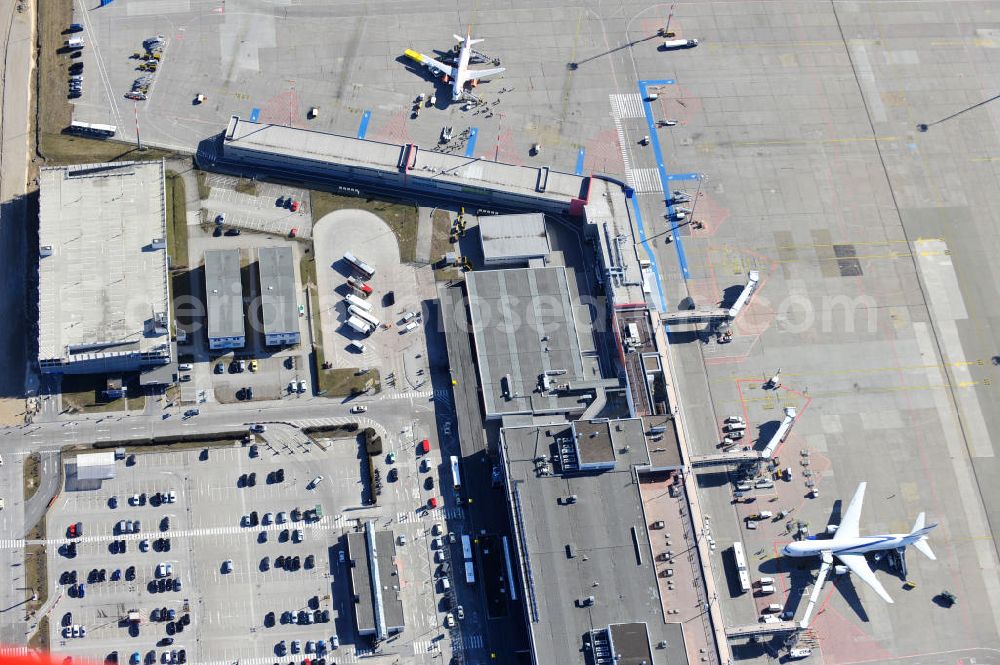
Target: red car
{"points": [[75, 530], [433, 503], [295, 206], [294, 232], [425, 446]]}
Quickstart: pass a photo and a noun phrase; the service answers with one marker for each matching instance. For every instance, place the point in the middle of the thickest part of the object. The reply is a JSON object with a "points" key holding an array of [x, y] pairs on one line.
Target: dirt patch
{"points": [[203, 188], [83, 392], [54, 109], [400, 217], [11, 411], [32, 475], [177, 232], [307, 268], [345, 381], [36, 568], [40, 640], [245, 186], [184, 445], [440, 232]]}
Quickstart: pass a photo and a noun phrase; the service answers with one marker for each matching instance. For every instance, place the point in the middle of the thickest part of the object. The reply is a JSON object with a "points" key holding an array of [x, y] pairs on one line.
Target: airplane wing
{"points": [[859, 566], [824, 570], [428, 61], [485, 73], [850, 524]]}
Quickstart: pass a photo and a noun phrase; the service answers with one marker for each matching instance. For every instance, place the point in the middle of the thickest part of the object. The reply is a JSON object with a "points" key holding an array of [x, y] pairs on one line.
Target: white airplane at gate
{"points": [[848, 546], [457, 75]]}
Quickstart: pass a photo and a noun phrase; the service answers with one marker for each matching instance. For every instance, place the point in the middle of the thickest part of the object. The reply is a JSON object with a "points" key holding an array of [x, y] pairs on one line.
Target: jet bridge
{"points": [[753, 279], [779, 436], [731, 457], [738, 456], [749, 630], [719, 315]]}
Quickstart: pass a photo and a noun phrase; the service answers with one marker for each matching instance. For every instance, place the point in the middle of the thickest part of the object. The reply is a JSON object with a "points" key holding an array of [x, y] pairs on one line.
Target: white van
{"points": [[410, 326], [409, 316], [766, 588], [185, 367], [356, 346], [765, 580], [770, 619], [314, 482], [764, 483], [445, 585], [773, 608]]}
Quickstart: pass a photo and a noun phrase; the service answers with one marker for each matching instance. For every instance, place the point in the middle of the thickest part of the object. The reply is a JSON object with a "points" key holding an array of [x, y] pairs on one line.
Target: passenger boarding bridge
{"points": [[737, 456], [720, 315], [749, 630]]}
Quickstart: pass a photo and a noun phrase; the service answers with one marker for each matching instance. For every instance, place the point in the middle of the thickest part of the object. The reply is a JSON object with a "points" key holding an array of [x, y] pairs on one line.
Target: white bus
{"points": [[456, 476], [741, 566], [466, 547], [510, 572], [92, 129], [470, 573], [359, 265], [363, 315]]}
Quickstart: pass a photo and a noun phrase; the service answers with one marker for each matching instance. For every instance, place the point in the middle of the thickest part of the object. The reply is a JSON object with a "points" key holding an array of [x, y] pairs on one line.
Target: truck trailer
{"points": [[360, 326], [353, 300]]}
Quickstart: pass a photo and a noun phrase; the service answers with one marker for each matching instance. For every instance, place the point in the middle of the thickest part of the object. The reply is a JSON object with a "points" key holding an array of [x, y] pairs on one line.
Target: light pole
{"points": [[923, 127], [701, 179]]}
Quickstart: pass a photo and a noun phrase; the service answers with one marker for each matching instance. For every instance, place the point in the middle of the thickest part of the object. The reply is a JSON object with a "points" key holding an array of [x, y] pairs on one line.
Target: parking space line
{"points": [[470, 147], [363, 127]]}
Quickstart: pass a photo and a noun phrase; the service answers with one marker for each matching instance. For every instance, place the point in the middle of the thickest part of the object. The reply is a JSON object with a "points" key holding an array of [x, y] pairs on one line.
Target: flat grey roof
{"points": [[594, 441], [361, 581], [279, 307], [103, 282], [662, 442], [323, 147], [631, 644], [392, 601], [605, 527], [513, 236], [224, 293], [512, 311]]}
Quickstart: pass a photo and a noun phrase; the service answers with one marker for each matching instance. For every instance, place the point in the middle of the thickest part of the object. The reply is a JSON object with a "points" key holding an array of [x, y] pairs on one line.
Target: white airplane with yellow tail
{"points": [[459, 74]]}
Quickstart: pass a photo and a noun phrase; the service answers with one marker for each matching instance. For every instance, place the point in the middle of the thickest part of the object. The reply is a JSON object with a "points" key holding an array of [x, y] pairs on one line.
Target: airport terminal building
{"points": [[103, 287], [582, 542]]}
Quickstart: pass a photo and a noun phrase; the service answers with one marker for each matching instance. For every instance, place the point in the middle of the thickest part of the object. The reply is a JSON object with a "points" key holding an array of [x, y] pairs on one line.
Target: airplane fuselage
{"points": [[859, 545], [461, 71]]}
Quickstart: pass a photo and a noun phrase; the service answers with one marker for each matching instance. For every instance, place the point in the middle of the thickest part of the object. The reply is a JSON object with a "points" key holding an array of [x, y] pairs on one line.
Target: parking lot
{"points": [[249, 221], [398, 290], [235, 584]]}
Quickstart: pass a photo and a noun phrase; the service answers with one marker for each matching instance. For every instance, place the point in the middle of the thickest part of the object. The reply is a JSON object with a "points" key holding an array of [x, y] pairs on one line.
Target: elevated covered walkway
{"points": [[721, 314], [749, 630]]}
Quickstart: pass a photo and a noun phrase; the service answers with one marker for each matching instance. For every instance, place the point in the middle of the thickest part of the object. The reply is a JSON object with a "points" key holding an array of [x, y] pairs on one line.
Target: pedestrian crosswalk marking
{"points": [[645, 180], [627, 106], [327, 522]]}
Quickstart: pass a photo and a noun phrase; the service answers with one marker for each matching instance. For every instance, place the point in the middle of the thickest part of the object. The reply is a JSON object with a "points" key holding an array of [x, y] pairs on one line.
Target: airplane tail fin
{"points": [[919, 535]]}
